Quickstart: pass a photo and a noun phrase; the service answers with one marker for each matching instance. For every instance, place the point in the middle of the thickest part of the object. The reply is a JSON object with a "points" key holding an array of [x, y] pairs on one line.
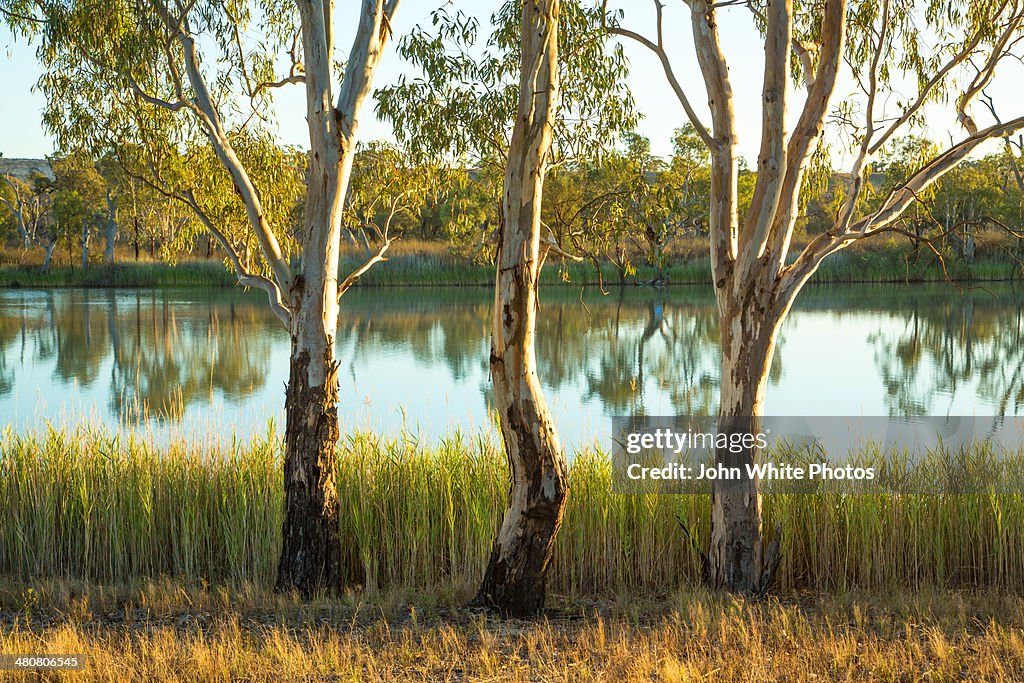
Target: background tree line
{"points": [[623, 206]]}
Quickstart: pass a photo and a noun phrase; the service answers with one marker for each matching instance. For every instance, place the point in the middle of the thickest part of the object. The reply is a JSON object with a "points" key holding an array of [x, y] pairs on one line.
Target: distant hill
{"points": [[24, 169]]}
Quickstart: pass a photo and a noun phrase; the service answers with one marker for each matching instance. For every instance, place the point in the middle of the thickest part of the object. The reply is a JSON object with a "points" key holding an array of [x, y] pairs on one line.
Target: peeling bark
{"points": [[310, 556], [737, 560], [514, 581], [311, 552]]}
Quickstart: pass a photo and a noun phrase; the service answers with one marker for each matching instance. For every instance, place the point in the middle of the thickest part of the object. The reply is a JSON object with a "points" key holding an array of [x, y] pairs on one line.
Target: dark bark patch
{"points": [[311, 551]]}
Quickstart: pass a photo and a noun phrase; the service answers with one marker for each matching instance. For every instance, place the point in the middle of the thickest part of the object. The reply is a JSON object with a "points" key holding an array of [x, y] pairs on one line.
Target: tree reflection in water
{"points": [[633, 350], [161, 352], [959, 341]]}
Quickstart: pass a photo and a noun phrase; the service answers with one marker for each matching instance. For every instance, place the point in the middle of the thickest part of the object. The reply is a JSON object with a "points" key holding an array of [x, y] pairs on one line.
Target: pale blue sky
{"points": [[21, 134]]}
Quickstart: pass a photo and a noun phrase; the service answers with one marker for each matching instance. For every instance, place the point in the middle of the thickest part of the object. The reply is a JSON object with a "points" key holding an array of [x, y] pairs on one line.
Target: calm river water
{"points": [[416, 358]]}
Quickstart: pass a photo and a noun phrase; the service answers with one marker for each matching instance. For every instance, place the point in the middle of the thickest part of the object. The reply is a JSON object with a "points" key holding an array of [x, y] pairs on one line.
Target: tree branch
{"points": [[21, 17], [658, 48], [153, 100], [209, 117], [985, 74], [722, 223], [295, 72], [892, 208], [367, 48], [245, 278], [810, 126], [771, 161], [358, 272], [287, 80]]}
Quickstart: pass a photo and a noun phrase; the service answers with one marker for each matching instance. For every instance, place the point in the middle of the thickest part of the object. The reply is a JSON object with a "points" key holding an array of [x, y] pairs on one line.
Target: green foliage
{"points": [[174, 171], [117, 91], [470, 214], [471, 83], [628, 203], [389, 189]]}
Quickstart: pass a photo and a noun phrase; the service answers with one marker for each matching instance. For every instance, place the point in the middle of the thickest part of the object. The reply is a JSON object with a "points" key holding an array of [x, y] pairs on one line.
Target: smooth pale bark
{"points": [[17, 209], [514, 581], [48, 255], [111, 232], [736, 555], [86, 233]]}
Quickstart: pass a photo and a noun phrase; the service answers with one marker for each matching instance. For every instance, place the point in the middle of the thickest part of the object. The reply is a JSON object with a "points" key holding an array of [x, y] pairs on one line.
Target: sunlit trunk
{"points": [[311, 552], [111, 232], [26, 239], [514, 581], [86, 229], [19, 222], [737, 558], [48, 255], [310, 555]]}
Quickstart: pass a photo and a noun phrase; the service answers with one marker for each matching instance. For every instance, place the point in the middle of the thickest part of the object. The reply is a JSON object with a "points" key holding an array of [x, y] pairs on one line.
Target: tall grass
{"points": [[853, 265], [894, 265], [189, 274], [82, 504], [437, 268]]}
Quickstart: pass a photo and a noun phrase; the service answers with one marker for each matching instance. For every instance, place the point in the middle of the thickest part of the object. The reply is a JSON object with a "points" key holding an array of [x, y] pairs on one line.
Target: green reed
{"points": [[433, 268], [153, 274], [82, 504]]}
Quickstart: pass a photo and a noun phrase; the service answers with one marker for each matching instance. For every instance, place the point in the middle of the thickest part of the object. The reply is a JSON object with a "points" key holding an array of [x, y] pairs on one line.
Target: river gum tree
{"points": [[905, 58], [514, 579], [158, 79], [541, 91], [14, 198]]}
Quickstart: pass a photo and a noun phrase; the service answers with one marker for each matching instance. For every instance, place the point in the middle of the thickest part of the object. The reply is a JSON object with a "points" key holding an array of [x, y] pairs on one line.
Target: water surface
{"points": [[416, 358]]}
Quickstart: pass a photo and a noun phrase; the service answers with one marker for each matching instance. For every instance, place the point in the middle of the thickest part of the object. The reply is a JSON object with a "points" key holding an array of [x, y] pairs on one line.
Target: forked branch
{"points": [[657, 46]]}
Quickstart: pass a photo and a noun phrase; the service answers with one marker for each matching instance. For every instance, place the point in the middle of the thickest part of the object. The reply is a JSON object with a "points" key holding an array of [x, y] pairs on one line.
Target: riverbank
{"points": [[157, 564], [437, 268], [168, 631]]}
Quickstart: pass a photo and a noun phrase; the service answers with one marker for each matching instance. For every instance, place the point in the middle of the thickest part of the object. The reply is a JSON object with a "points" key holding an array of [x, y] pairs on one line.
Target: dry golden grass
{"points": [[164, 632]]}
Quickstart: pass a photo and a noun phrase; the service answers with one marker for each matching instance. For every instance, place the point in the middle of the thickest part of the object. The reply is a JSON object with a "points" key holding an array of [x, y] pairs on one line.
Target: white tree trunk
{"points": [[514, 582], [311, 556], [86, 229], [755, 281], [17, 208], [737, 559], [111, 232], [48, 256]]}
